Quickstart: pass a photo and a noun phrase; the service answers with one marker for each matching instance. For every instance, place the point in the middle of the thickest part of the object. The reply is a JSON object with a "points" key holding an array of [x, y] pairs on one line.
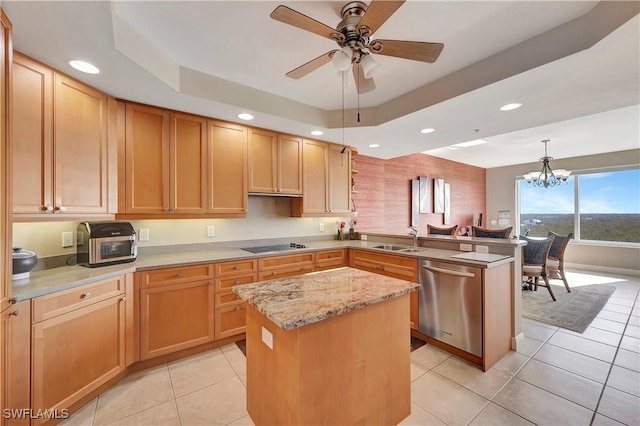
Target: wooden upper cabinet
{"points": [[227, 164], [275, 163], [188, 164], [5, 171], [339, 189]]}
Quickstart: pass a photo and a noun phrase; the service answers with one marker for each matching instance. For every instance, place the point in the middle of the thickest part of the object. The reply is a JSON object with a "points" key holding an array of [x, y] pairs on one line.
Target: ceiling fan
{"points": [[353, 36]]}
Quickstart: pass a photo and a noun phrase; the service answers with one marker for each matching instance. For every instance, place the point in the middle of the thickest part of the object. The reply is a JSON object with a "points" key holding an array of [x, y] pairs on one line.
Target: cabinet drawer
{"points": [[228, 298], [285, 272], [175, 275], [223, 284], [52, 305], [330, 259], [230, 321], [277, 262], [225, 269]]}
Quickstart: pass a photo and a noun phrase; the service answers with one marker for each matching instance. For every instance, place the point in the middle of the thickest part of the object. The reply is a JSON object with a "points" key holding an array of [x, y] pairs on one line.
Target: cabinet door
{"points": [[176, 317], [289, 164], [339, 180], [80, 148], [147, 159], [5, 160], [262, 161], [73, 354], [188, 164], [32, 136], [16, 370], [231, 320], [227, 168], [316, 179]]}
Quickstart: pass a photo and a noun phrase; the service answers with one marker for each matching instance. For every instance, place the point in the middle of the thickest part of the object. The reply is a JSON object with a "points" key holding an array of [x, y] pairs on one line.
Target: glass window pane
{"points": [[610, 206], [547, 209]]}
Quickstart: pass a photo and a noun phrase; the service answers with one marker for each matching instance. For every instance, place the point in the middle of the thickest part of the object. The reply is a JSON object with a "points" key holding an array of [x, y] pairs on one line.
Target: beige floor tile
{"points": [[134, 395], [486, 384], [540, 324], [199, 371], [429, 356], [604, 324], [83, 417], [236, 358], [138, 374], [539, 406], [612, 307], [495, 415], [583, 346], [448, 401], [620, 406], [613, 316], [574, 362], [621, 302], [598, 335], [416, 371], [633, 320], [562, 383], [164, 414], [628, 359], [420, 417], [536, 331], [529, 346], [242, 421], [630, 343], [217, 404], [600, 420], [632, 331], [511, 362], [624, 380]]}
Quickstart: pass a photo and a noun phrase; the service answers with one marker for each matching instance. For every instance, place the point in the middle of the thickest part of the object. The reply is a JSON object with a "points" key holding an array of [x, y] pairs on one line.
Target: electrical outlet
{"points": [[267, 338], [67, 239], [211, 231], [465, 247], [143, 234], [321, 227], [482, 249], [363, 237]]}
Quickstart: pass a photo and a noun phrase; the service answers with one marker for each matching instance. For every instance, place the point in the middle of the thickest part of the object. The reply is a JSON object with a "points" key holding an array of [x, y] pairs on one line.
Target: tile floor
{"points": [[557, 377]]}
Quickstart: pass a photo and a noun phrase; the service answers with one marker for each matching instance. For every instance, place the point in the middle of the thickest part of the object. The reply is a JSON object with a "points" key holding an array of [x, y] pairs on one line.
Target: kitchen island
{"points": [[330, 347]]}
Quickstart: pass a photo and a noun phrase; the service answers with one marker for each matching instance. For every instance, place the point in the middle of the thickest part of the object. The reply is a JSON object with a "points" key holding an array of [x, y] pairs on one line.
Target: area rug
{"points": [[573, 311]]}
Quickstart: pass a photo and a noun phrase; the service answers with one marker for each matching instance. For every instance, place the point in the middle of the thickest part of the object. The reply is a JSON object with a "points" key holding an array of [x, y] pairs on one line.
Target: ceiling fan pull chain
{"points": [[358, 92]]}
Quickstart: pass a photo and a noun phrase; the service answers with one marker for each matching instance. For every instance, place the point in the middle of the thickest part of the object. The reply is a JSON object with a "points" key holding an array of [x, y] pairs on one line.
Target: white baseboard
{"points": [[515, 340], [603, 269]]}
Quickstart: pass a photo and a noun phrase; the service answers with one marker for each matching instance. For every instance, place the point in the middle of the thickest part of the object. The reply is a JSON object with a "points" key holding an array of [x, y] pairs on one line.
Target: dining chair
{"points": [[534, 262], [491, 233], [555, 260], [434, 230]]}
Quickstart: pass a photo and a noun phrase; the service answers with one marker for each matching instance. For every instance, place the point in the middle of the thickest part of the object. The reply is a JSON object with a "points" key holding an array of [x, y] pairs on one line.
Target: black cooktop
{"points": [[276, 248]]}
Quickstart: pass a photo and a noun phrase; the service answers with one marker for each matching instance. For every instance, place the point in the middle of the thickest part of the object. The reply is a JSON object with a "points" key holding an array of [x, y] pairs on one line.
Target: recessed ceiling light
{"points": [[509, 107], [374, 145], [245, 116], [427, 130], [470, 143], [84, 66], [317, 132]]}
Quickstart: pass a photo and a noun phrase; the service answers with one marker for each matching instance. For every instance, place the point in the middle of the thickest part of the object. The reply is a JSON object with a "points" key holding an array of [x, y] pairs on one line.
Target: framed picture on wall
{"points": [[425, 195], [415, 202], [447, 204], [438, 195]]}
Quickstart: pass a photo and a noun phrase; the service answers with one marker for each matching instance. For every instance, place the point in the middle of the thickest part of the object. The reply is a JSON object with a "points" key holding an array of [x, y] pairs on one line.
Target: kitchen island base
{"points": [[348, 369]]}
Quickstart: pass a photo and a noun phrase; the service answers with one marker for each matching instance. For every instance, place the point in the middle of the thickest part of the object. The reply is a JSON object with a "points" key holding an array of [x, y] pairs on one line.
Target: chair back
{"points": [[434, 230], [491, 233], [536, 250], [559, 244]]}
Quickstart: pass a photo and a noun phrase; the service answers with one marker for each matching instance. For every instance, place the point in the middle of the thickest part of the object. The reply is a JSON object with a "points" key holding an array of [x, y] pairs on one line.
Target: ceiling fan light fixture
{"points": [[342, 58], [368, 65]]}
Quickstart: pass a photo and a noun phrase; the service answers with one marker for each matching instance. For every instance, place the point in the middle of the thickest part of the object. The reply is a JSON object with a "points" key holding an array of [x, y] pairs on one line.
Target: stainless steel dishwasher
{"points": [[450, 304]]}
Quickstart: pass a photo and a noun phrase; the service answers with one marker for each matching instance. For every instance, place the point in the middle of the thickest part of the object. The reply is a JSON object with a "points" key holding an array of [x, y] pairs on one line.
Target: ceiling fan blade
{"points": [[363, 85], [378, 12], [416, 50], [297, 19], [310, 66]]}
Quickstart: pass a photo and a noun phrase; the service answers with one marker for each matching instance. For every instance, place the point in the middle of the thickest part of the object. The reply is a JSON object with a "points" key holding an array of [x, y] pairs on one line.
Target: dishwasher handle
{"points": [[449, 271]]}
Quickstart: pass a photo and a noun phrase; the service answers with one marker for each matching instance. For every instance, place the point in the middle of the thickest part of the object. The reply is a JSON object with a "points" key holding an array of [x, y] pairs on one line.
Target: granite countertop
{"points": [[305, 299]]}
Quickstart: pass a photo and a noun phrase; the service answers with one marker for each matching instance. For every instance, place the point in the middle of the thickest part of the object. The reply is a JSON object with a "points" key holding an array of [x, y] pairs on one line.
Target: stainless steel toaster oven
{"points": [[105, 243]]}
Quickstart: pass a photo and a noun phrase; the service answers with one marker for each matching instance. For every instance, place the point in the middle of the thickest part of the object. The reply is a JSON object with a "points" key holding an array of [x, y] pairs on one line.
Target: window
{"points": [[603, 206]]}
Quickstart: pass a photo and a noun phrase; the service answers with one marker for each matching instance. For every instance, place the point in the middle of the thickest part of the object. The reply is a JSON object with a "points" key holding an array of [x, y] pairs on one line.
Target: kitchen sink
{"points": [[413, 250], [404, 249]]}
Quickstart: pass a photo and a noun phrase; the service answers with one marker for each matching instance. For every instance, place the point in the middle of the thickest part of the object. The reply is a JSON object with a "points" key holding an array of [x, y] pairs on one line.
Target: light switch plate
{"points": [[143, 234], [321, 227], [67, 239], [267, 338], [211, 231]]}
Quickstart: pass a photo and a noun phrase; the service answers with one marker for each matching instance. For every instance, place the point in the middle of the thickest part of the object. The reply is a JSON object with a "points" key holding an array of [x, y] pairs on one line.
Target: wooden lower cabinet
{"points": [[400, 267], [230, 309], [16, 368], [285, 266], [329, 259], [231, 320], [76, 352]]}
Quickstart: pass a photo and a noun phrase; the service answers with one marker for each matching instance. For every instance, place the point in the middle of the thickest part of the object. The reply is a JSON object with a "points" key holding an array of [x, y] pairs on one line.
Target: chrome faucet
{"points": [[414, 234]]}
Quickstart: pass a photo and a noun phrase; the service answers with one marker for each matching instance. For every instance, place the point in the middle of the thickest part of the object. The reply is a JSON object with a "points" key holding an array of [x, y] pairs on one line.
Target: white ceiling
{"points": [[574, 65]]}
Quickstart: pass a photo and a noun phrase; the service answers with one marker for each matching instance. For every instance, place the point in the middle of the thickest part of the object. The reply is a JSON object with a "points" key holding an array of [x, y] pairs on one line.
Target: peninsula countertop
{"points": [[305, 299]]}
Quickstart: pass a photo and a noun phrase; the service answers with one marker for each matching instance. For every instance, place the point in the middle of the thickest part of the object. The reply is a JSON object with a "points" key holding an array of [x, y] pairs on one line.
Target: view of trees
{"points": [[599, 227]]}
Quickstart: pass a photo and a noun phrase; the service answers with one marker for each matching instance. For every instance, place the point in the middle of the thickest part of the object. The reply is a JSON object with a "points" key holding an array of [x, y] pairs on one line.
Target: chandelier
{"points": [[547, 177]]}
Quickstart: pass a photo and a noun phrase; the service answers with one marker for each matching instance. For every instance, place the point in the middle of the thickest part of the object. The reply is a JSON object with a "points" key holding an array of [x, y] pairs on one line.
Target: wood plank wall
{"points": [[383, 198]]}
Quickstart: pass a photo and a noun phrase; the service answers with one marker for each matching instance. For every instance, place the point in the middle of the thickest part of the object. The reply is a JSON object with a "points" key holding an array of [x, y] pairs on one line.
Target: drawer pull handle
{"points": [[237, 308], [13, 301], [236, 267], [211, 281], [180, 275], [14, 313], [236, 282], [85, 295], [123, 298]]}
